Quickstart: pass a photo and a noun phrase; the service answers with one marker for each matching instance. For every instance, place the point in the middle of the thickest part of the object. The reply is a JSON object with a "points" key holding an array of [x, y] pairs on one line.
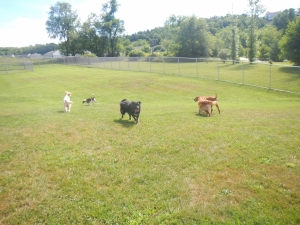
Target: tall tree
{"points": [[194, 38], [283, 18], [223, 39], [110, 27], [88, 38], [290, 44], [255, 9], [268, 48], [62, 23], [234, 40]]}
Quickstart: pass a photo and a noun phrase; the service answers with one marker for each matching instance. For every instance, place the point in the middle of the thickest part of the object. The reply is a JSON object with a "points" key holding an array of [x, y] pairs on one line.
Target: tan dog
{"points": [[207, 99], [67, 102], [206, 106], [211, 98]]}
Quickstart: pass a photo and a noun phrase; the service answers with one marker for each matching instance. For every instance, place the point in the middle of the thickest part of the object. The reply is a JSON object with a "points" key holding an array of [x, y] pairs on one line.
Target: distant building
{"points": [[270, 15], [34, 56], [53, 54]]}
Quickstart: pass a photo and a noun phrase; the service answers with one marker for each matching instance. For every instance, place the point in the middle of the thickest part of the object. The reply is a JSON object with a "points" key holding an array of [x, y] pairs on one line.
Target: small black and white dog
{"points": [[131, 108], [89, 100]]}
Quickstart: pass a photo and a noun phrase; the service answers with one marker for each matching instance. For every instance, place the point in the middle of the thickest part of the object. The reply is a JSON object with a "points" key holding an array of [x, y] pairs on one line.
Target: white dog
{"points": [[67, 102]]}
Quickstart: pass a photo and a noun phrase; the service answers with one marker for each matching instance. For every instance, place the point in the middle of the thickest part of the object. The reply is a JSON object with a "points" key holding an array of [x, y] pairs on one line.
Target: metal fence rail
{"points": [[261, 74]]}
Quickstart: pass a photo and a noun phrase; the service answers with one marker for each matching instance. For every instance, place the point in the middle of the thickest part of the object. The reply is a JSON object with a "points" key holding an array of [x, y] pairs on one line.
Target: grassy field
{"points": [[90, 166], [278, 76]]}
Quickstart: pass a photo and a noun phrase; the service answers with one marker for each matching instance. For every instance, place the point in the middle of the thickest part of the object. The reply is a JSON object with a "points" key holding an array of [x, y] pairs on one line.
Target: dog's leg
{"points": [[69, 107], [134, 117], [122, 113], [65, 107], [207, 112]]}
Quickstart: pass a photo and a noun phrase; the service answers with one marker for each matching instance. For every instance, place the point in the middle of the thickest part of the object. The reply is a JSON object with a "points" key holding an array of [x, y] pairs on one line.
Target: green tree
{"points": [[255, 9], [170, 33], [168, 45], [234, 44], [290, 44], [88, 40], [224, 38], [224, 54], [268, 48], [193, 38], [136, 53], [234, 40], [110, 27], [283, 18], [62, 23]]}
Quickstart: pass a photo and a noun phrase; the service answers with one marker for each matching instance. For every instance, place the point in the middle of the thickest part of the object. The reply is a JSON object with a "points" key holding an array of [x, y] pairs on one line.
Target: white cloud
{"points": [[23, 32]]}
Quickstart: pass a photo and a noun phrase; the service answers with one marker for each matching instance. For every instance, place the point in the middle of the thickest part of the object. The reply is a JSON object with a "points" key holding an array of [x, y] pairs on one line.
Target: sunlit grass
{"points": [[174, 167]]}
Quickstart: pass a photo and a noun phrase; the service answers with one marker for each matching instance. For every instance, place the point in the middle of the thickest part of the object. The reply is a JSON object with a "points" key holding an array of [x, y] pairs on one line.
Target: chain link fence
{"points": [[277, 77]]}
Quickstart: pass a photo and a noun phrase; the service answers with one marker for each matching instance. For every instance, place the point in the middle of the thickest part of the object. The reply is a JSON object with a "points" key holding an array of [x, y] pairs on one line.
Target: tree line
{"points": [[249, 35]]}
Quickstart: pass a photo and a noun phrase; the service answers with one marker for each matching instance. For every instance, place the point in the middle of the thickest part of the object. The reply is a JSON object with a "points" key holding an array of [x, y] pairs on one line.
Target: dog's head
{"points": [[196, 98], [136, 107]]}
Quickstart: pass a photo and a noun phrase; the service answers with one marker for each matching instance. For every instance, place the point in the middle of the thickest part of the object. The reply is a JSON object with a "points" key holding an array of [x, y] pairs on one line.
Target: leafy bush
{"points": [[136, 53], [224, 54], [128, 49]]}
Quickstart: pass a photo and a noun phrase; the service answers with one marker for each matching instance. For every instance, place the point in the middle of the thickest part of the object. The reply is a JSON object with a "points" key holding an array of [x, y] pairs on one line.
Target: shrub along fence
{"points": [[261, 74]]}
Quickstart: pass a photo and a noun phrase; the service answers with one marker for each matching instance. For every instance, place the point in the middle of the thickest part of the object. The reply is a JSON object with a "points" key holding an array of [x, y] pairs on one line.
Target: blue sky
{"points": [[22, 23]]}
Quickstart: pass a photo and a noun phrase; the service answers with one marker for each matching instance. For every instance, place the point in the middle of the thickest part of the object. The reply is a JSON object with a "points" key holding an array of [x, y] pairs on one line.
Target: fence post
{"points": [[178, 66], [150, 64], [243, 73], [163, 58], [137, 58], [197, 67], [270, 76], [218, 70], [6, 68]]}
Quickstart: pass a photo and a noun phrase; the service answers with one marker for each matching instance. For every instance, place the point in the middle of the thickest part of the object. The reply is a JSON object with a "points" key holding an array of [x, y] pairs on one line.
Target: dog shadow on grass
{"points": [[125, 123]]}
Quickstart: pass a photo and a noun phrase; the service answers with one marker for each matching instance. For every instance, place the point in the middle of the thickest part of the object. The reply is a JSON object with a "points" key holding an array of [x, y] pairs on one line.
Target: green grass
{"points": [[279, 76], [174, 167]]}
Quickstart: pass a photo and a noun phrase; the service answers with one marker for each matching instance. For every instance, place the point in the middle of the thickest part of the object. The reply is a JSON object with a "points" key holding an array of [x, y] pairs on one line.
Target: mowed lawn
{"points": [[90, 166]]}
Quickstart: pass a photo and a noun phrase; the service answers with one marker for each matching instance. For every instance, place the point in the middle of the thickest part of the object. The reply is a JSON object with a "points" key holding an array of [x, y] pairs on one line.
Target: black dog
{"points": [[89, 100], [132, 108]]}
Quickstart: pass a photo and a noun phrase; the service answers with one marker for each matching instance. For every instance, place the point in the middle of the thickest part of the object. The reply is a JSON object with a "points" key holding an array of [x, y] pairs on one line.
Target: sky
{"points": [[22, 23]]}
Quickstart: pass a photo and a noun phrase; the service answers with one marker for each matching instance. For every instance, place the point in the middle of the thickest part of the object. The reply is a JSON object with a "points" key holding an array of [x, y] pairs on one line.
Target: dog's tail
{"points": [[123, 100]]}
